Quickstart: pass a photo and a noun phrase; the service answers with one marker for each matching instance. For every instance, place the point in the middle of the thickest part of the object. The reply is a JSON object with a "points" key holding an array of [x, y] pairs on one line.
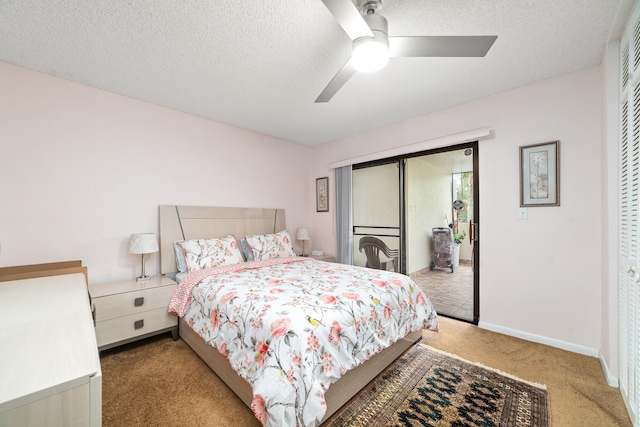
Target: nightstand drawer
{"points": [[125, 304], [125, 327]]}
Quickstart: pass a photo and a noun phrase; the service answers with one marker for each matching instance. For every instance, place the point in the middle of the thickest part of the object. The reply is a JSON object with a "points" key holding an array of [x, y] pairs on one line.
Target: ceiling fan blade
{"points": [[440, 46], [337, 82], [349, 18]]}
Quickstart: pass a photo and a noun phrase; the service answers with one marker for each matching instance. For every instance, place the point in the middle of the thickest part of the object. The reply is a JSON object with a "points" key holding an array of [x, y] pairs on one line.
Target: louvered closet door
{"points": [[629, 220]]}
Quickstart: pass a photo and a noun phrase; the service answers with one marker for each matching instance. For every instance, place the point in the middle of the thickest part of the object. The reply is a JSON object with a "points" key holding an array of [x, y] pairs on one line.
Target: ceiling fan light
{"points": [[369, 55]]}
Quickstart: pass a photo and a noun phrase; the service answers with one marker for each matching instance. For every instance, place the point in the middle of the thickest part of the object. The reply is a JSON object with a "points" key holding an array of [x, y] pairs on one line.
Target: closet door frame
{"points": [[629, 218]]}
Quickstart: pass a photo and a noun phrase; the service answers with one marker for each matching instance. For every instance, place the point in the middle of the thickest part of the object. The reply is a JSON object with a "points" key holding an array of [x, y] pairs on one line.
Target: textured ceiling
{"points": [[261, 65]]}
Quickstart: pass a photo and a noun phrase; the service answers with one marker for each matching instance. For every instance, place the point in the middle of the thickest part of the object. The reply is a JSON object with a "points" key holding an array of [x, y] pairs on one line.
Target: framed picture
{"points": [[322, 194], [540, 174]]}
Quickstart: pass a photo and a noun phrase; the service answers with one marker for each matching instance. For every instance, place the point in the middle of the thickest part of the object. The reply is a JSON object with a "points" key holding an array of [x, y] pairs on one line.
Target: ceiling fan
{"points": [[372, 46]]}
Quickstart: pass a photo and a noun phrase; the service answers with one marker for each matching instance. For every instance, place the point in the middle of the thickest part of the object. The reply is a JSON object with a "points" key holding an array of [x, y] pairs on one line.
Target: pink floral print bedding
{"points": [[292, 326]]}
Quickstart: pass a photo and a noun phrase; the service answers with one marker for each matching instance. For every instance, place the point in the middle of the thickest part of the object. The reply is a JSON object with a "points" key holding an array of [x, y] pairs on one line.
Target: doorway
{"points": [[410, 202]]}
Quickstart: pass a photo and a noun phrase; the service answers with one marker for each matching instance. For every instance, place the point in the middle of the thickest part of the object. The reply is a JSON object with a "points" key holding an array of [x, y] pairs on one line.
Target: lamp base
{"points": [[143, 277]]}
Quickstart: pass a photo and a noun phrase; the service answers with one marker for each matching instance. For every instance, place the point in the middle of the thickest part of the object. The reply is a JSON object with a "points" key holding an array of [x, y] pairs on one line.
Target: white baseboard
{"points": [[625, 398], [542, 340], [611, 379]]}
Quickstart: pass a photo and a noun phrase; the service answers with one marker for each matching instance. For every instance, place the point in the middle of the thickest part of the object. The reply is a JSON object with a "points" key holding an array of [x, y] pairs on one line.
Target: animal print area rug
{"points": [[427, 387]]}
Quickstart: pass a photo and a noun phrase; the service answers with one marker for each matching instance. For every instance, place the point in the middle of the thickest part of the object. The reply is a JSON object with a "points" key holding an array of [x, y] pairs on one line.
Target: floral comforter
{"points": [[291, 327]]}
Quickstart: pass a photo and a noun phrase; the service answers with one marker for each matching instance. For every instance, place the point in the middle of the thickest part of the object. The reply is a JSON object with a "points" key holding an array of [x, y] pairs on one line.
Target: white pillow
{"points": [[268, 246], [206, 253]]}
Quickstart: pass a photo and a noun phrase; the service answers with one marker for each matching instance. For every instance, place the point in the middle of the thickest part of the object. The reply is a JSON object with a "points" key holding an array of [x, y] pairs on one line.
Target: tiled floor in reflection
{"points": [[450, 293]]}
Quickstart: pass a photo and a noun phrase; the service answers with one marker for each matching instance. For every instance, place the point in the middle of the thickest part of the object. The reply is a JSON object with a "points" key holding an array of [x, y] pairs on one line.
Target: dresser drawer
{"points": [[128, 303], [125, 327]]}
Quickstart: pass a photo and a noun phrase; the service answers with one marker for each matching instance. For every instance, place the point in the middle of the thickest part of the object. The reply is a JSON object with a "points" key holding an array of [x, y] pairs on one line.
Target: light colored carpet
{"points": [[578, 392], [160, 382]]}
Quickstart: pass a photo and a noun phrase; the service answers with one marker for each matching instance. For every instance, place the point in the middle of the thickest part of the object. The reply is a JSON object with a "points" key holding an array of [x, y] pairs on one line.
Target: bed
{"points": [[283, 374]]}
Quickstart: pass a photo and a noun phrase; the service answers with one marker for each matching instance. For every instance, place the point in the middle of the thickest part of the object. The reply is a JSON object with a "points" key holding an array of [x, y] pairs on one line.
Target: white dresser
{"points": [[49, 362]]}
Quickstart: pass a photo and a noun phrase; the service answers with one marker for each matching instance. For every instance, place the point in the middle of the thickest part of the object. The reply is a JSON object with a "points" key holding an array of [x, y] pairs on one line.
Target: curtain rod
{"points": [[441, 141]]}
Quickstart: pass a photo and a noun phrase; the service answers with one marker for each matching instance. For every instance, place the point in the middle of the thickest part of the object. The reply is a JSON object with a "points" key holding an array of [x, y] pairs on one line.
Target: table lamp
{"points": [[143, 243], [304, 234]]}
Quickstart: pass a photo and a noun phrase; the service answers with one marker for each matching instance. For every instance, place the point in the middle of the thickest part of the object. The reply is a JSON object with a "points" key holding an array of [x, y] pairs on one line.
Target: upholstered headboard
{"points": [[199, 222]]}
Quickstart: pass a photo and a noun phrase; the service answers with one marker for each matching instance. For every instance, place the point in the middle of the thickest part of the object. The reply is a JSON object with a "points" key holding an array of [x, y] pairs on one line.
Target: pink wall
{"points": [[81, 169], [539, 278]]}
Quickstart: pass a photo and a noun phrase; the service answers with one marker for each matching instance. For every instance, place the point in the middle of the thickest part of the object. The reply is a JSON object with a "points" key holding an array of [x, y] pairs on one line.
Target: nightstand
{"points": [[130, 310], [327, 258]]}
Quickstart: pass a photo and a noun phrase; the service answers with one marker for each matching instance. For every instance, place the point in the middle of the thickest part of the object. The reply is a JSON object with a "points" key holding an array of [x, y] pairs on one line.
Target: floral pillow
{"points": [[268, 246], [206, 253]]}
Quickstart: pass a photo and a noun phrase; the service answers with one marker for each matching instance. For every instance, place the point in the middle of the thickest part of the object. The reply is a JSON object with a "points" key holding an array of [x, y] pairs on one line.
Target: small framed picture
{"points": [[322, 194], [540, 174]]}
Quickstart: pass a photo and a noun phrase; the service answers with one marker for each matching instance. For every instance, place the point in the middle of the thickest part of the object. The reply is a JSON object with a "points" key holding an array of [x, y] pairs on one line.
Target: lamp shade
{"points": [[303, 233], [143, 243]]}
